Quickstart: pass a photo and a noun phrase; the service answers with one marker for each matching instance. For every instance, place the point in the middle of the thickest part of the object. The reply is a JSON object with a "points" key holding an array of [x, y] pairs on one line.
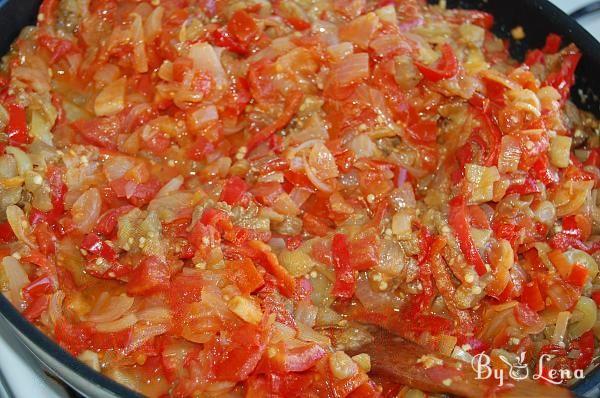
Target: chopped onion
{"points": [[109, 309], [111, 99], [142, 334], [24, 163], [86, 210], [206, 60], [172, 186], [585, 315], [19, 224], [360, 30], [560, 151], [510, 154], [55, 306], [351, 69], [123, 323], [560, 329], [17, 279]]}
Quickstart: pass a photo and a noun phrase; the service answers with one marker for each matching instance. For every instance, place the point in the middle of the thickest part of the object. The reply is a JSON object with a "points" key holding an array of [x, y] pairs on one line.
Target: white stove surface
{"points": [[25, 376]]}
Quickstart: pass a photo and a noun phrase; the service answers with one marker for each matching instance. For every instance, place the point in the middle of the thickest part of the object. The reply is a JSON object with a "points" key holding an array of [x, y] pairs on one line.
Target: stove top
{"points": [[24, 376]]}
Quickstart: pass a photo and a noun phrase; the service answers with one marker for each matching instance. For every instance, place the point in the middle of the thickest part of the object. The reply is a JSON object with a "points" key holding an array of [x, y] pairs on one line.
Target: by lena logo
{"points": [[518, 370]]}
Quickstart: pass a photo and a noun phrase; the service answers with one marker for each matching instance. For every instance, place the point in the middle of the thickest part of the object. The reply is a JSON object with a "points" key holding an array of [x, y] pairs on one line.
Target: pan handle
{"points": [[586, 10]]}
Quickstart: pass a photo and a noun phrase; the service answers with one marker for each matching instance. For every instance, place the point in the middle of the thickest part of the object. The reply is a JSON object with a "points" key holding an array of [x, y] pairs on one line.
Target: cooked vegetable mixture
{"points": [[218, 197]]}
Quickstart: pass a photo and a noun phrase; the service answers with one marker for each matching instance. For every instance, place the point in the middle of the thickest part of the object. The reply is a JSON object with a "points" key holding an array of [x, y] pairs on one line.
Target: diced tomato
{"points": [[534, 57], [36, 307], [72, 337], [243, 27], [38, 287], [97, 247], [236, 357], [345, 282], [234, 190], [150, 276], [447, 66], [185, 289], [245, 275], [364, 252], [6, 233], [457, 219], [201, 148]]}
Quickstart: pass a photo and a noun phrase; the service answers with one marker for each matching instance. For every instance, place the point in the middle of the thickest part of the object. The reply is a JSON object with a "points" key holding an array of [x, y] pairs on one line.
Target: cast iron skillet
{"points": [[537, 17]]}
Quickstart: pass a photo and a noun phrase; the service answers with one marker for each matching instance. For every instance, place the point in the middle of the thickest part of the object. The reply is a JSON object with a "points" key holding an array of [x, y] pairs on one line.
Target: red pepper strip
{"points": [[446, 67], [344, 274], [585, 345], [292, 105], [457, 219], [553, 42], [564, 78], [17, 125]]}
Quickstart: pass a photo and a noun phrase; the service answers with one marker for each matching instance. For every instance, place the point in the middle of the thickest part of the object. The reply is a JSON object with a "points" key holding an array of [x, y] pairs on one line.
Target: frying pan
{"points": [[537, 17]]}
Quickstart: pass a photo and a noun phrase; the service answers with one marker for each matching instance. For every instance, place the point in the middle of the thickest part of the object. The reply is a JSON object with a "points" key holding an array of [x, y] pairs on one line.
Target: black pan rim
{"points": [[589, 386]]}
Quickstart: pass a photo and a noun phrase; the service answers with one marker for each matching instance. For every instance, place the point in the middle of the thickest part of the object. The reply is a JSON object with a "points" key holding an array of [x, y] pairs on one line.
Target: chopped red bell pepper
{"points": [[457, 219], [532, 296], [345, 282], [578, 275], [245, 275], [447, 66], [553, 42], [564, 78], [16, 128]]}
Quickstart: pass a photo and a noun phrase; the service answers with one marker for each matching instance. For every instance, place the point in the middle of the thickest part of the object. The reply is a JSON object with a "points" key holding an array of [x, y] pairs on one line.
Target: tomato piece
{"points": [[72, 337], [345, 282], [35, 308], [234, 190], [185, 289], [47, 9], [364, 252], [532, 296], [447, 66], [245, 275], [201, 148], [45, 238], [151, 276], [243, 27], [457, 218], [534, 57], [237, 356], [578, 226], [16, 128], [6, 233]]}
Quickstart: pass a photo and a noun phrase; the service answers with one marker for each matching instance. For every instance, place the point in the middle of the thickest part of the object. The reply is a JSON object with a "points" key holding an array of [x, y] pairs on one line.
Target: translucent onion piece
{"points": [[584, 316], [17, 279], [111, 99], [19, 224], [110, 309], [116, 326], [86, 210], [142, 334]]}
